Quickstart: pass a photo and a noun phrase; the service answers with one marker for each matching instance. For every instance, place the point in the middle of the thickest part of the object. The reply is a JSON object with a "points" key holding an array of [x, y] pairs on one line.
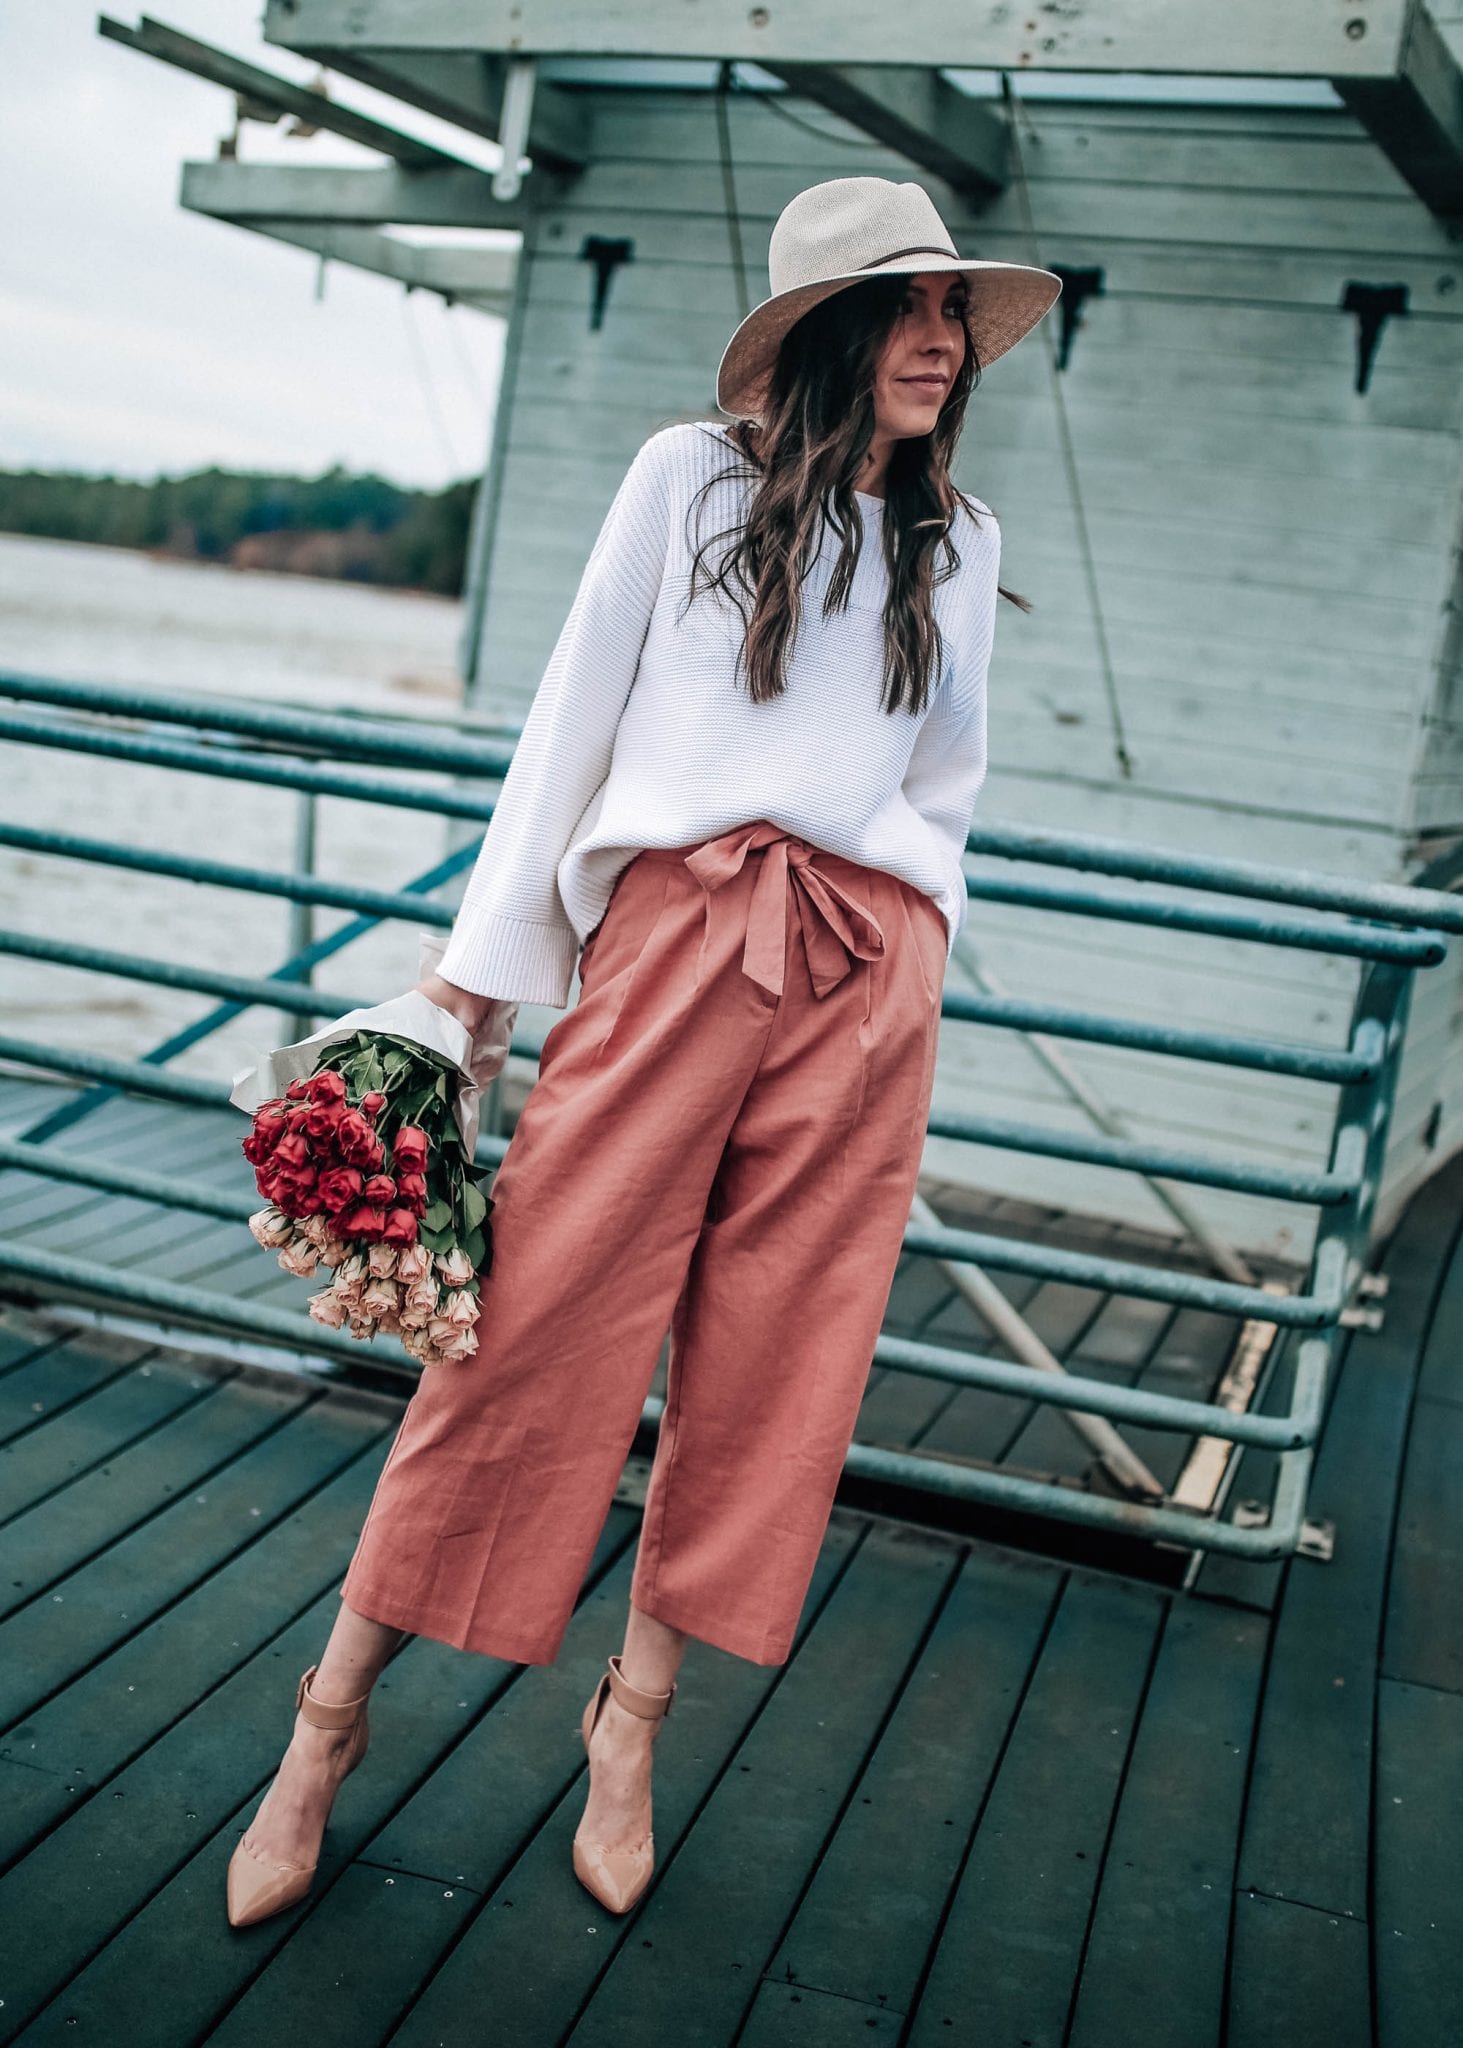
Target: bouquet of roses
{"points": [[362, 1144]]}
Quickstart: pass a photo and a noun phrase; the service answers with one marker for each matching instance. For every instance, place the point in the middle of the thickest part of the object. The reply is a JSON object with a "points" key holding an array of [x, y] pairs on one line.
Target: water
{"points": [[107, 615]]}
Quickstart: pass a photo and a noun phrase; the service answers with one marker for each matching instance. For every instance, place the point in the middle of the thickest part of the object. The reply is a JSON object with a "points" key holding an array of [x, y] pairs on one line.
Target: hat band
{"points": [[918, 249]]}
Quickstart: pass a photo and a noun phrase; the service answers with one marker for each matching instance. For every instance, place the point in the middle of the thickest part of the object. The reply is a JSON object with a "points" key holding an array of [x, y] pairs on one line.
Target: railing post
{"points": [[301, 932]]}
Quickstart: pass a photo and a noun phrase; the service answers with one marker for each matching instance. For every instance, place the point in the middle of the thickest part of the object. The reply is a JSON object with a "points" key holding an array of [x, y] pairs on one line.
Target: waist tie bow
{"points": [[835, 929]]}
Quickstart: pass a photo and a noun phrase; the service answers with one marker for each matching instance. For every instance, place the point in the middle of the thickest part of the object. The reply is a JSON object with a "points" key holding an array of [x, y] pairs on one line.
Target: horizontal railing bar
{"points": [[277, 773], [1012, 1491], [457, 755], [133, 1077], [1092, 1396], [931, 1361], [1111, 1031], [195, 1305], [274, 991], [218, 874], [1389, 902], [156, 1084], [168, 1191], [1265, 1055], [1288, 1184], [1119, 1276], [1122, 1276], [1356, 941], [175, 1302]]}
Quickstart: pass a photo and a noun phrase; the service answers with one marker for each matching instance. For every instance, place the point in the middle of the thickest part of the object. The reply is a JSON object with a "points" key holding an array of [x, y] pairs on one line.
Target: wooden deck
{"points": [[994, 1797]]}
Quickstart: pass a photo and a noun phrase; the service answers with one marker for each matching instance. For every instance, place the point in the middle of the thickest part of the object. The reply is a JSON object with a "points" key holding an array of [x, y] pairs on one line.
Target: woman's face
{"points": [[924, 349]]}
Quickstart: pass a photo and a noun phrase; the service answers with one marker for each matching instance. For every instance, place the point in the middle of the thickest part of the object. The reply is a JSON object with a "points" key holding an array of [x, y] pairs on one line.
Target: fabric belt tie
{"points": [[836, 930]]}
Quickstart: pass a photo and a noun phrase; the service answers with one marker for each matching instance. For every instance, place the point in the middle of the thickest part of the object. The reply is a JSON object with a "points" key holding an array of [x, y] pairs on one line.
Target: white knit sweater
{"points": [[642, 732]]}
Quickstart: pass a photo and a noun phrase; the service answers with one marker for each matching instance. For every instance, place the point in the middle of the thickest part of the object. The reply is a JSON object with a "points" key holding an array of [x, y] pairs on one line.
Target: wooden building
{"points": [[1227, 466]]}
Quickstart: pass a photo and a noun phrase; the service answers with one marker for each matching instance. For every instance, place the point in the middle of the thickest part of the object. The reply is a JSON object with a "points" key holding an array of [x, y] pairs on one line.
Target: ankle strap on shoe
{"points": [[649, 1705], [322, 1713]]}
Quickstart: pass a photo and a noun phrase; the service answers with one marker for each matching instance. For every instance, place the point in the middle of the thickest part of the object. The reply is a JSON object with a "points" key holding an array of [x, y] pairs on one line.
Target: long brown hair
{"points": [[816, 429]]}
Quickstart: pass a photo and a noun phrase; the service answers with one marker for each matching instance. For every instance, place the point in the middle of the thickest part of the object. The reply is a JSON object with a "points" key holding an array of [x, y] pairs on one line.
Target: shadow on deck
{"points": [[993, 1797]]}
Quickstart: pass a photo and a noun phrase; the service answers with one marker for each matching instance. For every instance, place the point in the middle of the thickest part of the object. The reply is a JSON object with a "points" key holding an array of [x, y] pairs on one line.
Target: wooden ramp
{"points": [[992, 1798]]}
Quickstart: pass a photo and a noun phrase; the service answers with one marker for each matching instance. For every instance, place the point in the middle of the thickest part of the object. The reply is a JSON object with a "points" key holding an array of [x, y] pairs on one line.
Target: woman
{"points": [[743, 788]]}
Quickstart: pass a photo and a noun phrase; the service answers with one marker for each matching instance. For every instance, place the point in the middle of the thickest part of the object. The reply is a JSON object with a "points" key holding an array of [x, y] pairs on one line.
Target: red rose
{"points": [[328, 1085], [373, 1104], [409, 1149], [380, 1189], [264, 1136], [291, 1188], [401, 1227], [321, 1118], [298, 1089], [411, 1188], [354, 1138], [298, 1117], [362, 1223], [339, 1187], [291, 1150]]}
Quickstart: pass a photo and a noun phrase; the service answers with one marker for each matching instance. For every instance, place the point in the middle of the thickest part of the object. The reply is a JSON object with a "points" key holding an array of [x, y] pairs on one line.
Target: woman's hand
{"points": [[489, 1020]]}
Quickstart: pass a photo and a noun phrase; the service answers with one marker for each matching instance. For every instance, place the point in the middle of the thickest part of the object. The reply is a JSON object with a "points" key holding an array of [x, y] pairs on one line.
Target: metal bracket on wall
{"points": [[606, 255], [1077, 285], [1373, 305]]}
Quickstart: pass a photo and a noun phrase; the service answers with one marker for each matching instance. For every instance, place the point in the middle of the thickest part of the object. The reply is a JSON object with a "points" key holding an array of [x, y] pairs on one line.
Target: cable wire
{"points": [[1016, 115]]}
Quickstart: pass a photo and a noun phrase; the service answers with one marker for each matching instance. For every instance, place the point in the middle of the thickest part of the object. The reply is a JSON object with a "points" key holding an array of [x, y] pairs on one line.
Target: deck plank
{"points": [[1012, 1942], [88, 1613], [1154, 1971], [869, 1919], [1418, 1936], [1307, 1825], [1300, 1977], [45, 1381], [101, 1506]]}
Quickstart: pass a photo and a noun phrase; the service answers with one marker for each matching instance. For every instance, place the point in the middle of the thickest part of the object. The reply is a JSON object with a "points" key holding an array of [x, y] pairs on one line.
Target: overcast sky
{"points": [[136, 338]]}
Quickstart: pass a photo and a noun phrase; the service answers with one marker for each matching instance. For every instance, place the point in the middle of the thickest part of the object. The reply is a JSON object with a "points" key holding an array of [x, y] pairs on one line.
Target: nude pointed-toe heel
{"points": [[617, 1877], [260, 1885]]}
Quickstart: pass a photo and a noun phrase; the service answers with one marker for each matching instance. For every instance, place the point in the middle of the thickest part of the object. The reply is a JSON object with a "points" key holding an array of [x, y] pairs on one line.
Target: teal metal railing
{"points": [[1389, 930]]}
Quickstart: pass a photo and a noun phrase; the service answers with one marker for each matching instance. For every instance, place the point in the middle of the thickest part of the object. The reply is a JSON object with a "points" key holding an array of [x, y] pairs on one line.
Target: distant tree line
{"points": [[359, 528]]}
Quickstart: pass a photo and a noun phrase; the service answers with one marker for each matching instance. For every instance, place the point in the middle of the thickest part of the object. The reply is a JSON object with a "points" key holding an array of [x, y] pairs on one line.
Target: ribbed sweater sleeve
{"points": [[513, 936], [948, 763]]}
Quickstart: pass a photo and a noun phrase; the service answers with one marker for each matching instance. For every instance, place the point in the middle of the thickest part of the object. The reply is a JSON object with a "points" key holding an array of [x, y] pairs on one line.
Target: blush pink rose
{"points": [[328, 1308], [413, 1262], [455, 1267]]}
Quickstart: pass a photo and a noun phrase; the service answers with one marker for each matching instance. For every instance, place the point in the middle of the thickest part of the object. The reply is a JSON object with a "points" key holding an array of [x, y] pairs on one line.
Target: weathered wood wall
{"points": [[1230, 550]]}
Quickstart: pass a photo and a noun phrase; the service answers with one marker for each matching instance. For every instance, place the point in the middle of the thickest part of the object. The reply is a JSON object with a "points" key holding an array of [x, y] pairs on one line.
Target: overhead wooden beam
{"points": [[1242, 38], [916, 112], [155, 39], [480, 278], [1416, 116], [332, 196], [465, 87]]}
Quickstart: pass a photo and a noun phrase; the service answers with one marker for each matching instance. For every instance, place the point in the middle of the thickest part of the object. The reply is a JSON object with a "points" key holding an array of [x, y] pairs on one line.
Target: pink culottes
{"points": [[723, 1143]]}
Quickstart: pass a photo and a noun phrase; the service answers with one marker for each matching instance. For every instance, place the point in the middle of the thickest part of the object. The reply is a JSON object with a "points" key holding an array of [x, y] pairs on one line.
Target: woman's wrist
{"points": [[464, 1003]]}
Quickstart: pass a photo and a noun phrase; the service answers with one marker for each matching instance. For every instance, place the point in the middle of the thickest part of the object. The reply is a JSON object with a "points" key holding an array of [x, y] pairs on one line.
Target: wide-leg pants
{"points": [[722, 1143]]}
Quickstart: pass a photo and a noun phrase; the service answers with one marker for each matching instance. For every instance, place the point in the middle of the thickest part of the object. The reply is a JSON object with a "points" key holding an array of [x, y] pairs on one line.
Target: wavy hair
{"points": [[804, 454]]}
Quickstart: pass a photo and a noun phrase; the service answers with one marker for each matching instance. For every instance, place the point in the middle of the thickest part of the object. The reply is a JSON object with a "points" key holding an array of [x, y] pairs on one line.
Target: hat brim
{"points": [[1006, 304]]}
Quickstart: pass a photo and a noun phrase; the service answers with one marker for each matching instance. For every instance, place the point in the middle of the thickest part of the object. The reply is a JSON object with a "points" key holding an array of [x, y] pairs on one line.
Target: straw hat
{"points": [[832, 235]]}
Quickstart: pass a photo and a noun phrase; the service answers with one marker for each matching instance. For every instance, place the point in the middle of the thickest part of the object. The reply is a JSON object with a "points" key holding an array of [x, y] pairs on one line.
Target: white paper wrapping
{"points": [[414, 1016]]}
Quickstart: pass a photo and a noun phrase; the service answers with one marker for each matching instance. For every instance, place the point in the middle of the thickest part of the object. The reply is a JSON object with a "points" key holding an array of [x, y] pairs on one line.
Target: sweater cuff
{"points": [[511, 957]]}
